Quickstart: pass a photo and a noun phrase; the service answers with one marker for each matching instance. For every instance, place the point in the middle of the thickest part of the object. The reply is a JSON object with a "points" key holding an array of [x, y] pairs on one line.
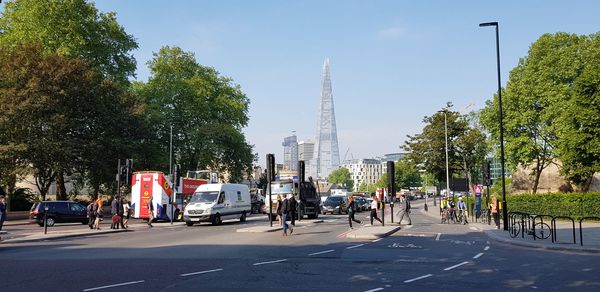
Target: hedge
{"points": [[575, 205]]}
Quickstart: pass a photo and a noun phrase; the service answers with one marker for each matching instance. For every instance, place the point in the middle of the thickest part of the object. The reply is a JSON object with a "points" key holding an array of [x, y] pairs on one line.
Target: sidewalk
{"points": [[564, 235], [376, 230]]}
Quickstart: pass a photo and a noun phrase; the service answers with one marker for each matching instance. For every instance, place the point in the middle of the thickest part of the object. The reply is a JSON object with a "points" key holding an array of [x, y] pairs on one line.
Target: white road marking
{"points": [[376, 240], [321, 252], [438, 236], [355, 246], [486, 248], [418, 278], [473, 228], [202, 272], [270, 262], [455, 266], [478, 255], [115, 285], [376, 289]]}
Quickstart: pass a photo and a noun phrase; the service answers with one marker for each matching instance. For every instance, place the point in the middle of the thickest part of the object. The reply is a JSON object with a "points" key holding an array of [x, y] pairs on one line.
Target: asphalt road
{"points": [[428, 256]]}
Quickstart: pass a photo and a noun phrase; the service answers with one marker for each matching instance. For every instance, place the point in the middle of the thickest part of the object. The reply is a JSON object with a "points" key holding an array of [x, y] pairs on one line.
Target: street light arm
{"points": [[488, 24]]}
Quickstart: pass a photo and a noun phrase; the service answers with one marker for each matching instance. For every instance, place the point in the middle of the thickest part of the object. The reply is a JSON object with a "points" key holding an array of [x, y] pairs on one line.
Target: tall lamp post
{"points": [[504, 207], [447, 168]]}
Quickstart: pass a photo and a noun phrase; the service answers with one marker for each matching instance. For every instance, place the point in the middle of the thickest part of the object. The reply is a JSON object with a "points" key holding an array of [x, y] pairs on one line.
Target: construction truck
{"points": [[293, 183]]}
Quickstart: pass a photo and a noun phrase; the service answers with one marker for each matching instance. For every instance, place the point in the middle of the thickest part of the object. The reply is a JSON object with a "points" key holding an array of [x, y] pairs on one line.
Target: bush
{"points": [[575, 205], [22, 199]]}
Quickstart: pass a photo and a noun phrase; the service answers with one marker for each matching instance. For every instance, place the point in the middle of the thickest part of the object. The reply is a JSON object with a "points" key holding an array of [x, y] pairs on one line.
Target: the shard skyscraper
{"points": [[327, 155]]}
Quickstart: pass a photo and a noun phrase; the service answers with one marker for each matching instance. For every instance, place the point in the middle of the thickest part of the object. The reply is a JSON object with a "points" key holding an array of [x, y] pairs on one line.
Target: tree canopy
{"points": [[341, 176]]}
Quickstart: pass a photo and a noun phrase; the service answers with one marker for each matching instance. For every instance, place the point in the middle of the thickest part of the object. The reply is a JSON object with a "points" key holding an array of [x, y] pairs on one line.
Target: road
{"points": [[425, 256]]}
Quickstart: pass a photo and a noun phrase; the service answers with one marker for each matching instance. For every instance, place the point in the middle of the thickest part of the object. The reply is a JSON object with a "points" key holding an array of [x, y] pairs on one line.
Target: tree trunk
{"points": [[61, 191]]}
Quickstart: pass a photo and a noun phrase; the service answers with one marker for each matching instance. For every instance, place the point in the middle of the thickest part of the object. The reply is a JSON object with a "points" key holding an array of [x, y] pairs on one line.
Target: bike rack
{"points": [[512, 217], [581, 230], [554, 227], [541, 216]]}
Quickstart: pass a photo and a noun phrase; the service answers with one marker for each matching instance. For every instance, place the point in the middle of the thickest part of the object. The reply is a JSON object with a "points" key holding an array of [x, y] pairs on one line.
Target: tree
{"points": [[341, 176], [369, 188], [406, 175], [72, 28], [207, 112]]}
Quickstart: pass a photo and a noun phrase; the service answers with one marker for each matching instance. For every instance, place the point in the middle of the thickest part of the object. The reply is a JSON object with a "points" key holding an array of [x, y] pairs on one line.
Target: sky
{"points": [[392, 62]]}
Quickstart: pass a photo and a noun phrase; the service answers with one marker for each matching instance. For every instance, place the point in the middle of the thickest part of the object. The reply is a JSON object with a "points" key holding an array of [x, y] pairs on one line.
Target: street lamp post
{"points": [[504, 207], [447, 167]]}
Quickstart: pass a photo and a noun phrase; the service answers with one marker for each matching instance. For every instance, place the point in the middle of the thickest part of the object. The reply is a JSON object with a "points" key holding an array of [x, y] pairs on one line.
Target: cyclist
{"points": [[444, 210], [462, 210], [451, 208]]}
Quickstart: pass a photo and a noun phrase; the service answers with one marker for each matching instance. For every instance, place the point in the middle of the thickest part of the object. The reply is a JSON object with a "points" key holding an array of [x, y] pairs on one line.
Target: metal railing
{"points": [[521, 223]]}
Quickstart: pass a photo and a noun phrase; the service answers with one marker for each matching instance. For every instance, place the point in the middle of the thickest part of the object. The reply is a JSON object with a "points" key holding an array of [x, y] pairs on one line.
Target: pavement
{"points": [[566, 235]]}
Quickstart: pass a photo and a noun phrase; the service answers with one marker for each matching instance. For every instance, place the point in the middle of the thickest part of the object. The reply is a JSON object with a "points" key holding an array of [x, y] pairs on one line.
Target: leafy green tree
{"points": [[406, 175], [369, 188], [207, 112], [72, 28], [341, 176]]}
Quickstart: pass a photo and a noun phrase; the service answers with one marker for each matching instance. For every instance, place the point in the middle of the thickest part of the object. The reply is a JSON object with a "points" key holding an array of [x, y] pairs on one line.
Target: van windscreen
{"points": [[204, 197]]}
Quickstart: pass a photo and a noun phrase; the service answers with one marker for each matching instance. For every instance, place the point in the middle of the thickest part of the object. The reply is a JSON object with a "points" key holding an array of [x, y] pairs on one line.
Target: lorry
{"points": [[152, 185], [217, 202], [304, 192]]}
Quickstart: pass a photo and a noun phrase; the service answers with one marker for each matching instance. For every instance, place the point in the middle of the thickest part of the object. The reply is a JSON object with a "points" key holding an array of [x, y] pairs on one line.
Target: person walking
{"points": [[285, 211], [150, 212], [114, 209], [404, 210], [293, 208], [351, 208], [278, 209], [2, 211], [121, 212], [126, 212], [494, 209], [98, 212], [91, 214], [374, 209]]}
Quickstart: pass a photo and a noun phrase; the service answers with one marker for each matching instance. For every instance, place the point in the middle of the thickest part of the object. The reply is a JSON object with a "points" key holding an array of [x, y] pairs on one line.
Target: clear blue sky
{"points": [[392, 62]]}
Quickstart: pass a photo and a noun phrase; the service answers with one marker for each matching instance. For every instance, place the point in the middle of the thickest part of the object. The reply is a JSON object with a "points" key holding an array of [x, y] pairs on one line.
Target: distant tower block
{"points": [[327, 154]]}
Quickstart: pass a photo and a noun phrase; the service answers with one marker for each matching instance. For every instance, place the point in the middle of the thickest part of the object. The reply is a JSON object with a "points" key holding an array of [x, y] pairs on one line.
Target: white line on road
{"points": [[355, 246], [473, 228], [376, 240], [321, 252], [486, 248], [438, 236], [418, 278], [271, 262], [115, 285], [478, 255], [202, 272], [455, 266], [376, 289]]}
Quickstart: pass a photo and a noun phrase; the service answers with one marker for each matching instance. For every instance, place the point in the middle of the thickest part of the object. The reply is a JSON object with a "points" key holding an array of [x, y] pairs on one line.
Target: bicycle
{"points": [[462, 217], [445, 216]]}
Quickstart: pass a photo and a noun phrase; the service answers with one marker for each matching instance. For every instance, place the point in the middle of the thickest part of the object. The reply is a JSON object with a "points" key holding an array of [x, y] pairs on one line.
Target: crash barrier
{"points": [[536, 225], [581, 229]]}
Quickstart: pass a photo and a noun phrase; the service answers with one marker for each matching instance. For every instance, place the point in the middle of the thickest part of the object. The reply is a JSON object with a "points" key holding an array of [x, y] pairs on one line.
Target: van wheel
{"points": [[243, 218], [50, 221], [216, 219], [189, 223]]}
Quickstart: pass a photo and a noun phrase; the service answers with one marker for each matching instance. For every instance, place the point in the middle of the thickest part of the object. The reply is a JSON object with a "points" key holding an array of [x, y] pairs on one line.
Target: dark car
{"points": [[335, 204], [58, 212]]}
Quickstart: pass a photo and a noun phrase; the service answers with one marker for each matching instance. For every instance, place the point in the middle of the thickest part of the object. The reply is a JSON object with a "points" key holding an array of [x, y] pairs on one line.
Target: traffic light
{"points": [[301, 171], [270, 167], [391, 177], [487, 177], [176, 170]]}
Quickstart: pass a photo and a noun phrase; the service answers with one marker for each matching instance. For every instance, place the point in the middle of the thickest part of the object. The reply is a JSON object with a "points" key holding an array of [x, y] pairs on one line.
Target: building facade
{"points": [[290, 153], [367, 171]]}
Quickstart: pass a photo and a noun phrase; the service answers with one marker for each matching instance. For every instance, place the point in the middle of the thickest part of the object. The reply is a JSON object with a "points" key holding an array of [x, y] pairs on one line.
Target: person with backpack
{"points": [[351, 209], [404, 210], [285, 211], [293, 208], [114, 210], [91, 213]]}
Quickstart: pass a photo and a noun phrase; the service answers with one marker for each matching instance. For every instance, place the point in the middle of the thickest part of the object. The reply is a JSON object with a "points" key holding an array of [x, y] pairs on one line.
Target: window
{"points": [[221, 198], [77, 207]]}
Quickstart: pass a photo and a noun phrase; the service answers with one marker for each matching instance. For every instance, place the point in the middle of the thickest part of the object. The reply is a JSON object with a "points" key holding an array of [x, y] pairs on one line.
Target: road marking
{"points": [[355, 246], [376, 289], [115, 285], [344, 233], [478, 255], [202, 272], [321, 252], [270, 262], [473, 228], [376, 240], [455, 266], [486, 248], [418, 278], [438, 236]]}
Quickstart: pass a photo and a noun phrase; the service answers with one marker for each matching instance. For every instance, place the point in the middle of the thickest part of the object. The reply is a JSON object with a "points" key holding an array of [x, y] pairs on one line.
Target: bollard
{"points": [[45, 219]]}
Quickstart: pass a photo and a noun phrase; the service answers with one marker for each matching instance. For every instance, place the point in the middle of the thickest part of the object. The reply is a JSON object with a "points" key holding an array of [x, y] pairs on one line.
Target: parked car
{"points": [[335, 204], [361, 204], [58, 212], [369, 200]]}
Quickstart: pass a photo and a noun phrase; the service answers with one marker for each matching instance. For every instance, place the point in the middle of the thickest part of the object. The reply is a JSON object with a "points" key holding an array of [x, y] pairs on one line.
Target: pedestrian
{"points": [[150, 212], [278, 209], [494, 209], [99, 213], [351, 209], [404, 210], [121, 212], [126, 212], [374, 208], [293, 208], [285, 211], [114, 210], [2, 211], [91, 213]]}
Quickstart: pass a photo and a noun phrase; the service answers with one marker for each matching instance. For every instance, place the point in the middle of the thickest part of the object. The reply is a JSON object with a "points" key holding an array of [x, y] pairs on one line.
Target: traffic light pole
{"points": [[119, 177]]}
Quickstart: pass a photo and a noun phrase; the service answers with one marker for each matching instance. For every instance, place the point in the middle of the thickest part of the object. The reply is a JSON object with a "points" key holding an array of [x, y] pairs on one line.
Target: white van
{"points": [[217, 202]]}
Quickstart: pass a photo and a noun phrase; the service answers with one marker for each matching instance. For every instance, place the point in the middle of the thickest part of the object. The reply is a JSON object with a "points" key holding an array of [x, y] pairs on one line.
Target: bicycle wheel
{"points": [[514, 230], [542, 231]]}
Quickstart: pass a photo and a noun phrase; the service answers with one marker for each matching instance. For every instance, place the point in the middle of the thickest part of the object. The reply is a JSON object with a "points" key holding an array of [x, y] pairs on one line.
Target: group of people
{"points": [[448, 210], [120, 210], [286, 208], [403, 211]]}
